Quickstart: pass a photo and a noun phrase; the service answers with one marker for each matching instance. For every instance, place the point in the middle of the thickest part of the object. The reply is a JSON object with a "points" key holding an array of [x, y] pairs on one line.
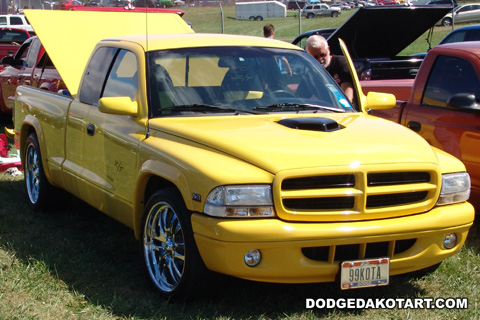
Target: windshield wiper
{"points": [[207, 108], [297, 107]]}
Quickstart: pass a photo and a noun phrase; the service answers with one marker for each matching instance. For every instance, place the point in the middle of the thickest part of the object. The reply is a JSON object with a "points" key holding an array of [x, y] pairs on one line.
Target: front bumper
{"points": [[302, 252]]}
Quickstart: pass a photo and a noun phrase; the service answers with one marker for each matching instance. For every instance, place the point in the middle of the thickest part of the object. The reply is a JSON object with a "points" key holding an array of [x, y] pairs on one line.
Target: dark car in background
{"points": [[296, 5], [374, 43]]}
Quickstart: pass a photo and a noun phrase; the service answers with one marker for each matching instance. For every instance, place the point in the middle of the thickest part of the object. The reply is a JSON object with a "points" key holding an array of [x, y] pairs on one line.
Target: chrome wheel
{"points": [[447, 22], [39, 190], [32, 173], [164, 246]]}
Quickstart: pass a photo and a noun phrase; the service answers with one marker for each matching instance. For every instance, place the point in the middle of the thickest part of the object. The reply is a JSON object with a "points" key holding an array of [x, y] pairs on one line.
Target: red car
{"points": [[30, 66], [443, 105], [131, 9], [10, 40], [68, 5]]}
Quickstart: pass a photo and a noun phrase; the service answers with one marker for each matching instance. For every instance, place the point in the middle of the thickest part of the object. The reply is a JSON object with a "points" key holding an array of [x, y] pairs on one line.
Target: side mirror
{"points": [[463, 101], [118, 105], [380, 101], [8, 60]]}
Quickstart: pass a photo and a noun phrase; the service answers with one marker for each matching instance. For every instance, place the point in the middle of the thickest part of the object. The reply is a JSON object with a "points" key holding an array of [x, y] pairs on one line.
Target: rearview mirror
{"points": [[8, 60]]}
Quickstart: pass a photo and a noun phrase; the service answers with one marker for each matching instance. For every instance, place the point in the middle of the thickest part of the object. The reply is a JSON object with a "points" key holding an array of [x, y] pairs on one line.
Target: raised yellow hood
{"points": [[70, 36]]}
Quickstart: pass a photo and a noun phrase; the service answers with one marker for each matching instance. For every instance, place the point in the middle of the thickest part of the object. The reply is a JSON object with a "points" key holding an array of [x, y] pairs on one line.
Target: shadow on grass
{"points": [[100, 259]]}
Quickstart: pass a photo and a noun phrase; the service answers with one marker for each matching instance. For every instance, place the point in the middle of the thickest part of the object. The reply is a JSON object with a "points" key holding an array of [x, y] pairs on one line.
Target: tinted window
{"points": [[449, 76], [7, 35], [95, 75], [455, 37], [16, 21], [473, 35]]}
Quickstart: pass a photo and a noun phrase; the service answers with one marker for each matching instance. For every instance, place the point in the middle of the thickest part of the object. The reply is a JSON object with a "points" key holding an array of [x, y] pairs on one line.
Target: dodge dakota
{"points": [[220, 160], [442, 104]]}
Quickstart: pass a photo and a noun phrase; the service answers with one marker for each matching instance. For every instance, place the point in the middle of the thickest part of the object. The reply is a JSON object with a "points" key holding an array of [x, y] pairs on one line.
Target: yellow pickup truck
{"points": [[221, 158]]}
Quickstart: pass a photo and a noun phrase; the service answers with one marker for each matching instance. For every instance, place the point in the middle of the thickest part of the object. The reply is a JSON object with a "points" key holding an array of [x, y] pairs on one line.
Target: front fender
{"points": [[195, 170]]}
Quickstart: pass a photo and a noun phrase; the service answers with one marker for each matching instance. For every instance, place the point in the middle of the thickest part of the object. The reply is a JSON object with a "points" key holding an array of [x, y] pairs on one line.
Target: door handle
{"points": [[90, 129], [414, 125]]}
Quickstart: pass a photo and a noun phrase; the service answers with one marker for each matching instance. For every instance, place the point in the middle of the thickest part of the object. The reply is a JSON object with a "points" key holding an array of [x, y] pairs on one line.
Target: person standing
{"points": [[317, 47], [269, 31]]}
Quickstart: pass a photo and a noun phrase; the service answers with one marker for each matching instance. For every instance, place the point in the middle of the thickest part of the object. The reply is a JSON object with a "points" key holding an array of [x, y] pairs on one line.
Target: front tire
{"points": [[310, 15], [39, 190], [172, 261]]}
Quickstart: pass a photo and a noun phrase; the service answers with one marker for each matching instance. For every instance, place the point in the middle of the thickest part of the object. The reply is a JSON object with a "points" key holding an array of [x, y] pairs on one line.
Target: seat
{"points": [[241, 82]]}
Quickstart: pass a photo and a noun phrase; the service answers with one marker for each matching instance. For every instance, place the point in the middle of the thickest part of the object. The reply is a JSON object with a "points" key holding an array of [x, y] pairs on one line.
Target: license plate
{"points": [[364, 273]]}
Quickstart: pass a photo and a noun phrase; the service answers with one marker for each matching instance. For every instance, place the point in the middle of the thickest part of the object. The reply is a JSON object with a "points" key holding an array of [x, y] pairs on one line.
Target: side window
{"points": [[3, 20], [464, 9], [473, 35], [449, 76], [122, 80], [16, 21], [455, 37], [94, 77]]}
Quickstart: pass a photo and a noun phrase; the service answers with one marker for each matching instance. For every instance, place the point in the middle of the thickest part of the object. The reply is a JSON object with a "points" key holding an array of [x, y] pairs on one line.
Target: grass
{"points": [[76, 263], [209, 20]]}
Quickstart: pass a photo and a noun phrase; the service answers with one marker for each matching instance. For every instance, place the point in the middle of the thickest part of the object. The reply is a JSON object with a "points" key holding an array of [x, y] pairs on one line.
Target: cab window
{"points": [[449, 76]]}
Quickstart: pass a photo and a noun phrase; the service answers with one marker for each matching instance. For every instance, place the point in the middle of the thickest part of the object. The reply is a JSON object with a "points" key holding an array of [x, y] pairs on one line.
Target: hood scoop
{"points": [[312, 124]]}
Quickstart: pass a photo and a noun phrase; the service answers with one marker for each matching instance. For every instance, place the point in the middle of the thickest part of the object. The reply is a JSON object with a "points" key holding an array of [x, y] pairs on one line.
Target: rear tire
{"points": [[252, 18], [171, 257], [447, 22], [39, 190], [334, 14], [259, 18], [310, 15]]}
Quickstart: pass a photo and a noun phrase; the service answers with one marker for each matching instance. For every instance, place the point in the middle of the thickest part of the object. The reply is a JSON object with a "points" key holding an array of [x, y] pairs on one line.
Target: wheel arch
{"points": [[32, 125], [155, 176]]}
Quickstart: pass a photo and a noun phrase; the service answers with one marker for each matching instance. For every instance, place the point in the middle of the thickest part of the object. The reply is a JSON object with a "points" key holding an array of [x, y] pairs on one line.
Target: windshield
{"points": [[239, 80]]}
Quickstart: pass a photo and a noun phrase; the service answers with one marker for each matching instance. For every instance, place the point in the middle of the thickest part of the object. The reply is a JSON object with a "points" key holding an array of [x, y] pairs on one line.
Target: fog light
{"points": [[450, 241], [252, 258]]}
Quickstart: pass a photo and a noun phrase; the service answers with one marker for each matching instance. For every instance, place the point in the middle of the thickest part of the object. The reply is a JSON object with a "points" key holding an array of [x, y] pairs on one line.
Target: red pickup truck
{"points": [[11, 39], [30, 66], [442, 104]]}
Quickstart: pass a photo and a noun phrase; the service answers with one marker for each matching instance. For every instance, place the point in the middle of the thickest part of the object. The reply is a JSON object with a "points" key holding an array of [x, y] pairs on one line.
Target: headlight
{"points": [[455, 188], [240, 201]]}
